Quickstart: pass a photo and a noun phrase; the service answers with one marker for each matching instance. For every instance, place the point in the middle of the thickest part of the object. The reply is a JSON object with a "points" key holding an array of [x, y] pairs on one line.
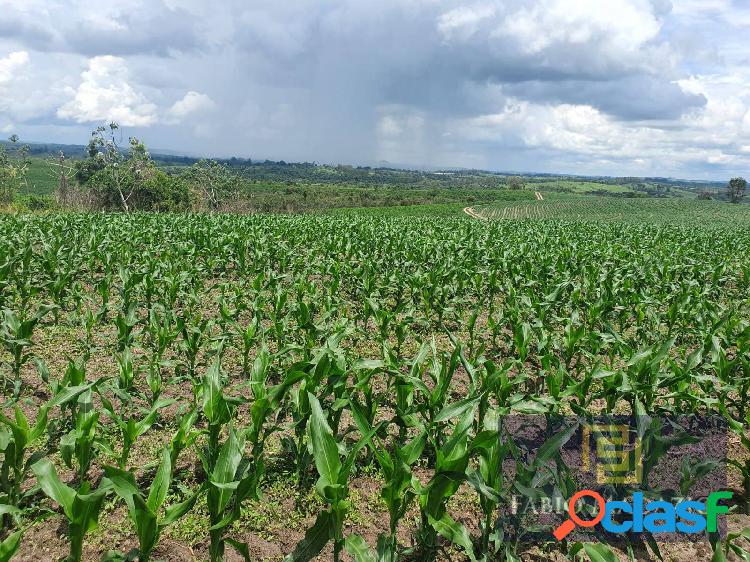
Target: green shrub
{"points": [[162, 192], [33, 202]]}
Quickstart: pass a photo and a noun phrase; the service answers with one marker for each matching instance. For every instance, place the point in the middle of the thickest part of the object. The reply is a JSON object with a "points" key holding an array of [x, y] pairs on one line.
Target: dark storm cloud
{"points": [[488, 83], [633, 98], [26, 32], [151, 28], [157, 31], [395, 54]]}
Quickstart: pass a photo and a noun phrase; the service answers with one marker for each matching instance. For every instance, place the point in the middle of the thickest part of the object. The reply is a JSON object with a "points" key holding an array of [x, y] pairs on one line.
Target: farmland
{"points": [[607, 209], [402, 281], [290, 188], [198, 386]]}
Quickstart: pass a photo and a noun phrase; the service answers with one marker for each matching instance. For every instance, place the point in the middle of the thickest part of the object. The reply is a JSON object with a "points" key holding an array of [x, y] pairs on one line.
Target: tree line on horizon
{"points": [[123, 176]]}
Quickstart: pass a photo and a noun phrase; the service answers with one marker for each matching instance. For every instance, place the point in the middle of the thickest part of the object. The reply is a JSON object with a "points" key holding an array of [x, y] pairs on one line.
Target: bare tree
{"points": [[13, 169], [63, 172], [736, 189], [111, 156], [215, 182], [117, 173], [515, 182]]}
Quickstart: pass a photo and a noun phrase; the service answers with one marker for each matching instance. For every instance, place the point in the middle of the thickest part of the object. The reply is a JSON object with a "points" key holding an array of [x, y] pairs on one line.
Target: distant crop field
{"points": [[427, 210], [643, 210], [40, 178], [582, 186]]}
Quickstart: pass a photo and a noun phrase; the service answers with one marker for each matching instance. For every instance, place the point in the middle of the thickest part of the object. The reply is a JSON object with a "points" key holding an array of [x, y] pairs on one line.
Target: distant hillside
{"points": [[52, 149], [42, 178]]}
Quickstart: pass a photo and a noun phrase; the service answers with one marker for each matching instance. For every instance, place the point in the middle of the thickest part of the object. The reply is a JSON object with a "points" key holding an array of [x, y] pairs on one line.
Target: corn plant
{"points": [[9, 545], [132, 427], [230, 478], [126, 323], [185, 436], [79, 446], [451, 463], [81, 506], [21, 443], [743, 466], [331, 486], [15, 335], [325, 366], [398, 493], [145, 511], [488, 480]]}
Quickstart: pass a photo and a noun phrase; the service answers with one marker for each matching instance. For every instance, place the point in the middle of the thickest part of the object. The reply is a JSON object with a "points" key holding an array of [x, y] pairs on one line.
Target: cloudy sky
{"points": [[618, 87]]}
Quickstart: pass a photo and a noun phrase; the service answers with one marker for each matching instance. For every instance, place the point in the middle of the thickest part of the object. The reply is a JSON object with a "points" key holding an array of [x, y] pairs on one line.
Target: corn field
{"points": [[167, 378], [654, 211]]}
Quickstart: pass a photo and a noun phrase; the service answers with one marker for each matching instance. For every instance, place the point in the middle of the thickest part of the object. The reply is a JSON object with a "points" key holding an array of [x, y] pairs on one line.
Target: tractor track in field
{"points": [[473, 214]]}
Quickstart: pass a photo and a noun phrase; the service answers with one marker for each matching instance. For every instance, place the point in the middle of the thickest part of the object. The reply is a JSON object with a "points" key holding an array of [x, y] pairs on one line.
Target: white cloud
{"points": [[699, 7], [587, 37], [712, 136], [14, 100], [10, 68], [192, 103], [105, 94], [11, 65], [618, 26], [464, 21]]}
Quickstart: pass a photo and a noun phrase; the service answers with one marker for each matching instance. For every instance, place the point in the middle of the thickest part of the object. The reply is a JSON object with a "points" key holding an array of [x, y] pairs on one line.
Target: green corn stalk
{"points": [[217, 410], [126, 371], [248, 335], [20, 440], [125, 324], [735, 544], [743, 466], [9, 545], [88, 321], [398, 492], [331, 486], [596, 552], [193, 336], [488, 479], [131, 428], [104, 288], [15, 336], [146, 511], [79, 446], [542, 475], [72, 381], [233, 477], [81, 507], [154, 379], [130, 279], [185, 436], [327, 364], [451, 462], [229, 480], [14, 445], [163, 329]]}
